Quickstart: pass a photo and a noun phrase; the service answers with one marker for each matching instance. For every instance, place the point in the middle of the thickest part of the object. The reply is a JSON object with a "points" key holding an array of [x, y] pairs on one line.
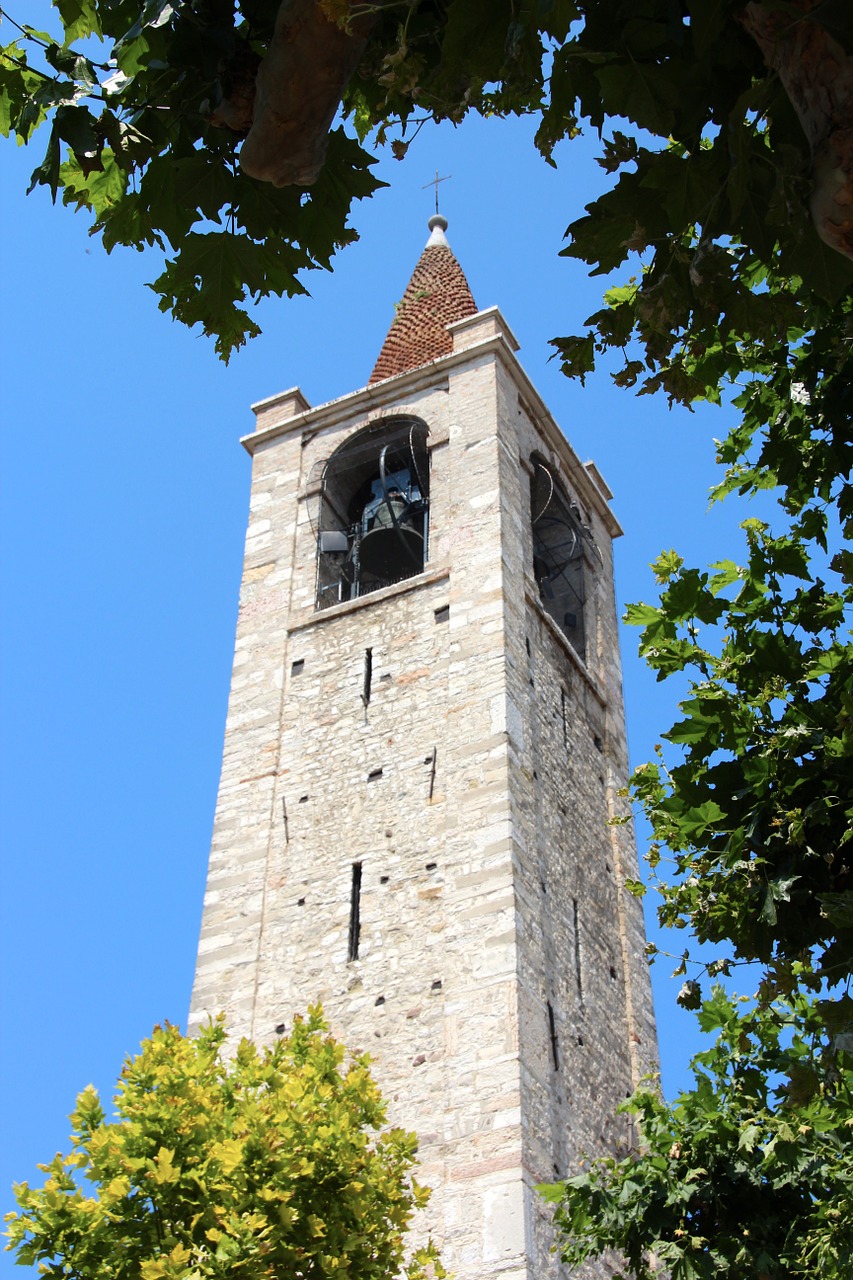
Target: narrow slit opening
{"points": [[578, 978], [552, 1030], [368, 676], [355, 912]]}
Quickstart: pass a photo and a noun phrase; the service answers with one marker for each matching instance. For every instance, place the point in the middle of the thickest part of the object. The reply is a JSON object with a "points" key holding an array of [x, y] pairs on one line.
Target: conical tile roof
{"points": [[436, 295]]}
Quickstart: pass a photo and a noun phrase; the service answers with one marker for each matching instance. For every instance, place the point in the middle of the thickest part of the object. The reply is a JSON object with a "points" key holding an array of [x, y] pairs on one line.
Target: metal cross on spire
{"points": [[433, 182]]}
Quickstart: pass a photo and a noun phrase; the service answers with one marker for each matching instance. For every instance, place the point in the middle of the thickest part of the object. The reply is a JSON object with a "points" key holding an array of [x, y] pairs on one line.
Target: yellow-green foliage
{"points": [[273, 1163]]}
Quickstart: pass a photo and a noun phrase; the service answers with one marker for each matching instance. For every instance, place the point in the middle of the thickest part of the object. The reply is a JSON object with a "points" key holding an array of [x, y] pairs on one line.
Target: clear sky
{"points": [[123, 514]]}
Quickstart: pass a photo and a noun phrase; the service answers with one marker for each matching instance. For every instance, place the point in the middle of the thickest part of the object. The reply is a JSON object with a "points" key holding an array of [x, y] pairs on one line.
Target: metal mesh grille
{"points": [[559, 564]]}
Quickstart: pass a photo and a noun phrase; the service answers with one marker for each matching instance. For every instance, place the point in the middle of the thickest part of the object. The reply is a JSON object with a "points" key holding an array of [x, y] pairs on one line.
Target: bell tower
{"points": [[424, 747]]}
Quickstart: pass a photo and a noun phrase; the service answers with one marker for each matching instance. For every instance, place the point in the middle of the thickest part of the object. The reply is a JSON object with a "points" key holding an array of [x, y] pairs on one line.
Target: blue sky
{"points": [[123, 513]]}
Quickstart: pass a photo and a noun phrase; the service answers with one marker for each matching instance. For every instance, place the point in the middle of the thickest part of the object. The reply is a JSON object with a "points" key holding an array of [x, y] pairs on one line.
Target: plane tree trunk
{"points": [[299, 85], [289, 110], [817, 74]]}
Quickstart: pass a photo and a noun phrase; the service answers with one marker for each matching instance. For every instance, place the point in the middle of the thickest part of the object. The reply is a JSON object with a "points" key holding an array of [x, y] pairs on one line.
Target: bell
{"points": [[391, 554]]}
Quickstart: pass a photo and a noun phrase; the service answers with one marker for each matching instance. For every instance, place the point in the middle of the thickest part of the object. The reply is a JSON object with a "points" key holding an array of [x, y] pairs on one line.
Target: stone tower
{"points": [[425, 742]]}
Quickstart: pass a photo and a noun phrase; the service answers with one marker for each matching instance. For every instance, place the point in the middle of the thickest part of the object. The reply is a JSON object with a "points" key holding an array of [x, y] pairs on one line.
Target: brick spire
{"points": [[436, 295]]}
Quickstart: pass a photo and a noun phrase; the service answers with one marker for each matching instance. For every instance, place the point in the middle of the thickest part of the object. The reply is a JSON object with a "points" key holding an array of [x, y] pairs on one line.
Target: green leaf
{"points": [[577, 355], [47, 173], [822, 269], [707, 23], [80, 18], [644, 92], [838, 908], [727, 574], [77, 127], [100, 190]]}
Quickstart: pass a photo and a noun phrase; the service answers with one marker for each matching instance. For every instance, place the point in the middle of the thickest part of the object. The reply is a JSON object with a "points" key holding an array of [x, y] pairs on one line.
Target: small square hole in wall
{"points": [[383, 879], [431, 866], [374, 775], [297, 667], [443, 614], [303, 800]]}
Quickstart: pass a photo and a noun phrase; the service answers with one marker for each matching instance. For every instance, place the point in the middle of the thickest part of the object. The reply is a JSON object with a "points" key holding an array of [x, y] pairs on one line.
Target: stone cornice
{"points": [[584, 479]]}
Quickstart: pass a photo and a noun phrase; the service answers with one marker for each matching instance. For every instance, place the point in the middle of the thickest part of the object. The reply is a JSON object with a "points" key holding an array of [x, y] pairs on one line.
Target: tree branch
{"points": [[298, 90], [817, 74]]}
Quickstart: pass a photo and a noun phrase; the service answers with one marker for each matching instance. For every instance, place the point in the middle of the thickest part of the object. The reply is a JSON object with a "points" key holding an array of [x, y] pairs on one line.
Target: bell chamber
{"points": [[374, 511]]}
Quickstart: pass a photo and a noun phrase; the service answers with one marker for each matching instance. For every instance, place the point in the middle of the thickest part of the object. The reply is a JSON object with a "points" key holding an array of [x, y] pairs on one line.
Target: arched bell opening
{"points": [[374, 511], [560, 564]]}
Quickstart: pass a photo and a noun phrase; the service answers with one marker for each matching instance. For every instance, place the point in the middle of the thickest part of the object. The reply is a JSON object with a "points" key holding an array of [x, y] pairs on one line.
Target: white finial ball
{"points": [[437, 220]]}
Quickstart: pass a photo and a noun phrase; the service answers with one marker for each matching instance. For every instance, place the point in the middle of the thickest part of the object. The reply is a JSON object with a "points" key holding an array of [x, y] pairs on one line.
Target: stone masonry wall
{"points": [[585, 1013], [472, 787]]}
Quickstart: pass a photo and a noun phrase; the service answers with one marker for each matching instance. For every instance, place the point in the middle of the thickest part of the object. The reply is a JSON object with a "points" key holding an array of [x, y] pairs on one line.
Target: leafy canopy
{"points": [[710, 182], [755, 803], [750, 800], [748, 1175], [125, 91], [267, 1163], [729, 292]]}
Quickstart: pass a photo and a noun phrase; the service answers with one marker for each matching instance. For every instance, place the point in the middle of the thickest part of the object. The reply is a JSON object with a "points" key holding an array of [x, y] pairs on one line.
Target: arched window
{"points": [[374, 506], [560, 566]]}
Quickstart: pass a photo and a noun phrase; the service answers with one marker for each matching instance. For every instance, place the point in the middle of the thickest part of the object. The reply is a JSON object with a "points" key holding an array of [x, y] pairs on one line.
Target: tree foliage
{"points": [[148, 106], [747, 1176], [727, 163], [125, 91], [750, 803], [267, 1163], [757, 810]]}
